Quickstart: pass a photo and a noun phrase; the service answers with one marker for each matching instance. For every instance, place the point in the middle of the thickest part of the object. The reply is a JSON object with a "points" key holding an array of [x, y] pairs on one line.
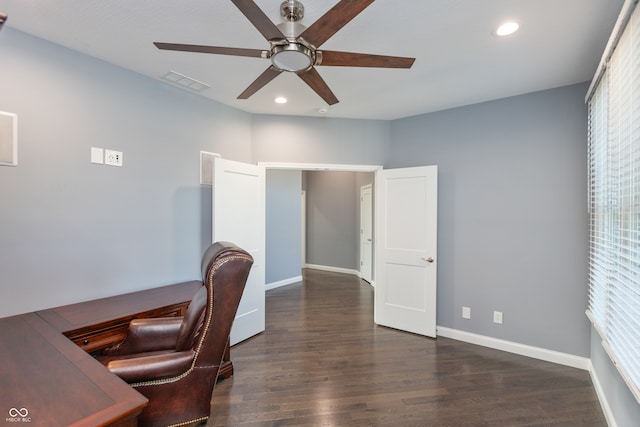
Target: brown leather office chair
{"points": [[174, 362]]}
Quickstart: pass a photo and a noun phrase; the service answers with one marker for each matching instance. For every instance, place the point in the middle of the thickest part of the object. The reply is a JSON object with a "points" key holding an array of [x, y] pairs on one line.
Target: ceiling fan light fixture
{"points": [[280, 100], [292, 57]]}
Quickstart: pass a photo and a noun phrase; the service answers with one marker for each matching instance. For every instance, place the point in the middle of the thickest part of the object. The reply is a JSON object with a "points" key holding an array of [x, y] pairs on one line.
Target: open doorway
{"points": [[330, 229], [405, 201], [334, 220]]}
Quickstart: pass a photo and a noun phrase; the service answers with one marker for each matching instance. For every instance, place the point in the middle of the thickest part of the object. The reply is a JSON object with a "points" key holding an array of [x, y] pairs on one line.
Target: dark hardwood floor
{"points": [[323, 362]]}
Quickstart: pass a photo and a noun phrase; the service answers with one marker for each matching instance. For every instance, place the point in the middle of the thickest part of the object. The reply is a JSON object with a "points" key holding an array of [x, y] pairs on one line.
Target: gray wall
{"points": [[512, 219], [319, 140], [284, 225], [332, 219], [71, 230]]}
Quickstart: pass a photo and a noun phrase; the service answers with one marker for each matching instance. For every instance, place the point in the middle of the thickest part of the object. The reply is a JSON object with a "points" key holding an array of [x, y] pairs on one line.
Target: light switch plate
{"points": [[97, 155]]}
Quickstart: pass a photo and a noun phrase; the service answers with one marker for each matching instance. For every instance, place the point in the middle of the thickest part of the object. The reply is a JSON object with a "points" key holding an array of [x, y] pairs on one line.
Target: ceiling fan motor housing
{"points": [[292, 10]]}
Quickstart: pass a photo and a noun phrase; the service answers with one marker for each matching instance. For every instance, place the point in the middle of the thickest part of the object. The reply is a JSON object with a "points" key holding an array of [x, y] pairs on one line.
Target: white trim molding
{"points": [[281, 283], [602, 397], [320, 166], [333, 269], [516, 348]]}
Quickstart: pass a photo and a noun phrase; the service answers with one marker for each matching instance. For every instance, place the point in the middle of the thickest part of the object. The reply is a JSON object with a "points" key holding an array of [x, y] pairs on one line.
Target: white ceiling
{"points": [[458, 60]]}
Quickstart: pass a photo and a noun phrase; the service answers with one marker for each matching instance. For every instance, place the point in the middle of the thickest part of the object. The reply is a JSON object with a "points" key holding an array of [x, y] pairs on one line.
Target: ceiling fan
{"points": [[3, 18], [294, 48]]}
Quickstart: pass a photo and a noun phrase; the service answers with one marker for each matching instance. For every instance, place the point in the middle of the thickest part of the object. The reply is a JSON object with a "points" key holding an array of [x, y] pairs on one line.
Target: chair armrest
{"points": [[154, 367], [146, 335]]}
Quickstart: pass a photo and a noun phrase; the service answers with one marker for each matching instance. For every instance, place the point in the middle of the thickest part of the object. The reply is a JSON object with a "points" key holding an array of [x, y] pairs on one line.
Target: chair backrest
{"points": [[193, 321], [209, 317]]}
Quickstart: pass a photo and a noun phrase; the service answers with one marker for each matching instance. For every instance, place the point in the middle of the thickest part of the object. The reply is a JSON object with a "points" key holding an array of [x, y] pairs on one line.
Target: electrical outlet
{"points": [[497, 317], [466, 312], [113, 158]]}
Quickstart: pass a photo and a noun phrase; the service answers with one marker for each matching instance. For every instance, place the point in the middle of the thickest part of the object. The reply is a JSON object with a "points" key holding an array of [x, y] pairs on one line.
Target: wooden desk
{"points": [[98, 324], [53, 382], [46, 368]]}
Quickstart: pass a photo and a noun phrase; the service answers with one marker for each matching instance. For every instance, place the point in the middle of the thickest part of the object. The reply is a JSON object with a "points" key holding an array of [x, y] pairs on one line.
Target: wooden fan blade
{"points": [[264, 78], [315, 82], [259, 20], [337, 17], [350, 59], [254, 53]]}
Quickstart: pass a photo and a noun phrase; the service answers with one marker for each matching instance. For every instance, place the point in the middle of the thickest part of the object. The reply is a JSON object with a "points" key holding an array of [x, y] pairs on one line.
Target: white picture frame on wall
{"points": [[8, 139]]}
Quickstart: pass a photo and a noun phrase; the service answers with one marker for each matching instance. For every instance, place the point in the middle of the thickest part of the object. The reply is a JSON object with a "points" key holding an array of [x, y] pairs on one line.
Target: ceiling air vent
{"points": [[184, 82]]}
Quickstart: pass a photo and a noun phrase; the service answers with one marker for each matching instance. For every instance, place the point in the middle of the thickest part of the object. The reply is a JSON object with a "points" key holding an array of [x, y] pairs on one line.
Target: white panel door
{"points": [[406, 242], [239, 217], [366, 232]]}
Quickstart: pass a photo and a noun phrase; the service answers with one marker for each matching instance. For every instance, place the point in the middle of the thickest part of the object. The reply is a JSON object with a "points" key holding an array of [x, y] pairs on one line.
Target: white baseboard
{"points": [[333, 269], [516, 348], [602, 397], [284, 282]]}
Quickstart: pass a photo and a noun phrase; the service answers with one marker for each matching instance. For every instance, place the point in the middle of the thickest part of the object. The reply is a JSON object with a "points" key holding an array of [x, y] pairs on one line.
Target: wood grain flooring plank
{"points": [[323, 362]]}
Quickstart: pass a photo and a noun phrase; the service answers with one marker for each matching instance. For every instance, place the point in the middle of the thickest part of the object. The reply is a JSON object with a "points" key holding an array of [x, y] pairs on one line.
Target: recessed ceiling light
{"points": [[507, 28], [281, 100]]}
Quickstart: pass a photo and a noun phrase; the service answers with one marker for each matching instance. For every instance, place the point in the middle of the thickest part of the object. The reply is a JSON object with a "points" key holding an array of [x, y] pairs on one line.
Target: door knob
{"points": [[428, 259]]}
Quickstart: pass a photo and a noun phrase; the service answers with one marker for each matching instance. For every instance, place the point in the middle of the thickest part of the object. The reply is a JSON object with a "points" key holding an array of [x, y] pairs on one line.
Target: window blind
{"points": [[614, 206]]}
